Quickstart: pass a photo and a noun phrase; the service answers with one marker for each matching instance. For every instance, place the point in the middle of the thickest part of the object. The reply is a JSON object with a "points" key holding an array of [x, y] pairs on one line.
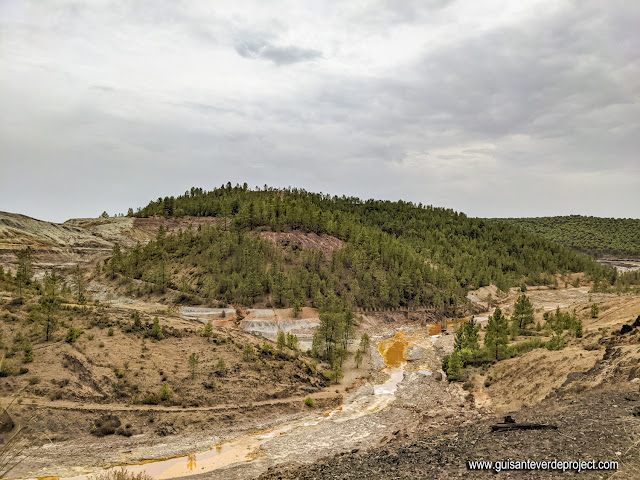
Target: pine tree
{"points": [[297, 308], [455, 366], [336, 374], [578, 329], [358, 358], [364, 342], [24, 272], [292, 341], [247, 351], [497, 334], [79, 284], [49, 306], [156, 331], [194, 360], [522, 314], [467, 337], [281, 340], [207, 331], [137, 323]]}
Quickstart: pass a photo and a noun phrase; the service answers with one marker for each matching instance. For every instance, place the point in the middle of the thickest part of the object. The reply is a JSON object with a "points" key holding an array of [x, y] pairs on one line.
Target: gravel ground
{"points": [[599, 426]]}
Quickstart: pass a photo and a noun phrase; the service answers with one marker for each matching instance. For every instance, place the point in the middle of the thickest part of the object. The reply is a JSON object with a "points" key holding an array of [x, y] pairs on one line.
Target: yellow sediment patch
{"points": [[436, 328], [392, 349]]}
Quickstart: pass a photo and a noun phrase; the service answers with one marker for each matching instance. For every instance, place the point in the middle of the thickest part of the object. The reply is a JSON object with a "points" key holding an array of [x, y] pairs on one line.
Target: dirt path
{"points": [[115, 407]]}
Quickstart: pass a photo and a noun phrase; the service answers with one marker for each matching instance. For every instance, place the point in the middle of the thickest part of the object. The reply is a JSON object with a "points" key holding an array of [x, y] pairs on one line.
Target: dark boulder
{"points": [[6, 423], [625, 329], [629, 328]]}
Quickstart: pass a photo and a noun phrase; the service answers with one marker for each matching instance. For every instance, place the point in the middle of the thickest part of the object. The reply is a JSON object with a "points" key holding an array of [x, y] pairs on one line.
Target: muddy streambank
{"points": [[169, 432], [406, 390]]}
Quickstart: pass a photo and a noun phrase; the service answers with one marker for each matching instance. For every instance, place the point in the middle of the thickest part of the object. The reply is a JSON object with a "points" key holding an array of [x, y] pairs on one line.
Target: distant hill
{"points": [[371, 254], [593, 235]]}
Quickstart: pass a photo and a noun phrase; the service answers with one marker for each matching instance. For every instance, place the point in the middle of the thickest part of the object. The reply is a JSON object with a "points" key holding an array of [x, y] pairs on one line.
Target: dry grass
{"points": [[121, 474]]}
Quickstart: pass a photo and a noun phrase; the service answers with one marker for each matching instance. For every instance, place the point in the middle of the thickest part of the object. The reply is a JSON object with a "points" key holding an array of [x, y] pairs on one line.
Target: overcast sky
{"points": [[493, 108]]}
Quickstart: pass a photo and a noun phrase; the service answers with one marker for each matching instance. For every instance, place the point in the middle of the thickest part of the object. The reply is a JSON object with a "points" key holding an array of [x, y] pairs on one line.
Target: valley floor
{"points": [[385, 420]]}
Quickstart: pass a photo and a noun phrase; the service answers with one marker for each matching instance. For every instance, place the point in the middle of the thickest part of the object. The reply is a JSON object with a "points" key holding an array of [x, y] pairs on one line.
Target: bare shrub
{"points": [[121, 474]]}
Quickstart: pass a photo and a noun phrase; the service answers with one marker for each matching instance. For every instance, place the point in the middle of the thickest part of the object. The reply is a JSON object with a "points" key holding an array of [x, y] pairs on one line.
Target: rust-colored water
{"points": [[436, 328], [392, 350], [332, 413], [242, 449]]}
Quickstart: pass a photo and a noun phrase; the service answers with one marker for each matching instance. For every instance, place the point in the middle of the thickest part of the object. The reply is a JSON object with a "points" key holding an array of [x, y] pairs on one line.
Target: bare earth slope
{"points": [[53, 243], [79, 240]]}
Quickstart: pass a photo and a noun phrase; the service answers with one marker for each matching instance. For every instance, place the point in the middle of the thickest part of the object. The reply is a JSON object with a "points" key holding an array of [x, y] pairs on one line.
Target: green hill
{"points": [[593, 235], [394, 254]]}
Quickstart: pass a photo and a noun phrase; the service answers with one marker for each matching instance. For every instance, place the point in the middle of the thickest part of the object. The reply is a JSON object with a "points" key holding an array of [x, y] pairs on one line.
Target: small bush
{"points": [[165, 394], [308, 402], [556, 343], [247, 351], [34, 380], [110, 332], [28, 353], [72, 335], [292, 341], [57, 395], [119, 373], [207, 331], [220, 368], [105, 426], [125, 432], [156, 331], [524, 347], [151, 399], [312, 368]]}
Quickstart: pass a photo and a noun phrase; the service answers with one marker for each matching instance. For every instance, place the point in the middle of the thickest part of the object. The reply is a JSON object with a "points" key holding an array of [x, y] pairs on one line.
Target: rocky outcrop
{"points": [[6, 422]]}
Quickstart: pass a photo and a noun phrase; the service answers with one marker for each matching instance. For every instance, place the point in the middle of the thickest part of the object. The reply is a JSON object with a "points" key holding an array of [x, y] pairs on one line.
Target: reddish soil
{"points": [[312, 241]]}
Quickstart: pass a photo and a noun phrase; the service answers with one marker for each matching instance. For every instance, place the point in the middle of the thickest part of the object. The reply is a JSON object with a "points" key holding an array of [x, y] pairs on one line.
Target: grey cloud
{"points": [[204, 108], [103, 88], [520, 118], [280, 55]]}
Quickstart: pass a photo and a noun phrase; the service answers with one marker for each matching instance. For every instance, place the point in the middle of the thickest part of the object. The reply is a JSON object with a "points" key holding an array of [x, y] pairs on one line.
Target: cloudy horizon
{"points": [[495, 109]]}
